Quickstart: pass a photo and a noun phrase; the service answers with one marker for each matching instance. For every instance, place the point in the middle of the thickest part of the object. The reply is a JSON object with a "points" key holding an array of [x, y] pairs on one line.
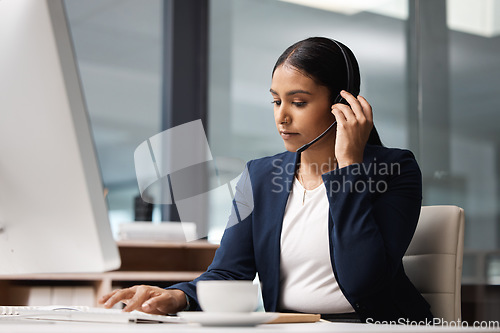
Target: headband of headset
{"points": [[350, 73]]}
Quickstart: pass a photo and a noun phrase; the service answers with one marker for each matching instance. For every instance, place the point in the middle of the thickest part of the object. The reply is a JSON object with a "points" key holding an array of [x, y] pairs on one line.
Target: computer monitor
{"points": [[53, 215]]}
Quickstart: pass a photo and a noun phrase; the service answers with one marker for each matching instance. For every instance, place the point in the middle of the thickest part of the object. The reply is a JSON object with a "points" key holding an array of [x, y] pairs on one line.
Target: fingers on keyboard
{"points": [[140, 295], [121, 295]]}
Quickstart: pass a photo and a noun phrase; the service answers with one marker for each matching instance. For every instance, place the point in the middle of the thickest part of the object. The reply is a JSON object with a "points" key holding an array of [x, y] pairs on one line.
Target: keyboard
{"points": [[82, 314]]}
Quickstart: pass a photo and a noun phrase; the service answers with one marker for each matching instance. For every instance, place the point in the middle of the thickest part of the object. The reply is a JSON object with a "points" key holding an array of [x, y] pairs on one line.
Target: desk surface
{"points": [[56, 327]]}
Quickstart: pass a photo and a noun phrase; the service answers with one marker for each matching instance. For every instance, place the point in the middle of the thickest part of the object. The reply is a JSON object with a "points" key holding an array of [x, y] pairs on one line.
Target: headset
{"points": [[339, 98]]}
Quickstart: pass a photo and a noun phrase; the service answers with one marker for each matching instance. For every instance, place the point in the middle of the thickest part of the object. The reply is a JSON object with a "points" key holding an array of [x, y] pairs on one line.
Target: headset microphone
{"points": [[307, 145], [339, 98]]}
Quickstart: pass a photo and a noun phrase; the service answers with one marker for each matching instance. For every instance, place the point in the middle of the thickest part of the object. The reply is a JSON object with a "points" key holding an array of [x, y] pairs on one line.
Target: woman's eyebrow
{"points": [[292, 92]]}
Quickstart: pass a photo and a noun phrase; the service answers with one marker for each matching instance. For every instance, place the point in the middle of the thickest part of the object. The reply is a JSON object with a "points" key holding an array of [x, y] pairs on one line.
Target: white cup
{"points": [[227, 295]]}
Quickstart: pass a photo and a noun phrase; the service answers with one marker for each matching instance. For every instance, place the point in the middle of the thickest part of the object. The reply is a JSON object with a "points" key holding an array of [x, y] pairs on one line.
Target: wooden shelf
{"points": [[169, 245], [115, 276], [142, 263]]}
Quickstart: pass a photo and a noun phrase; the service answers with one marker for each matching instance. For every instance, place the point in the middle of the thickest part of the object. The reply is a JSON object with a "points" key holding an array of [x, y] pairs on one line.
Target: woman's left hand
{"points": [[354, 124]]}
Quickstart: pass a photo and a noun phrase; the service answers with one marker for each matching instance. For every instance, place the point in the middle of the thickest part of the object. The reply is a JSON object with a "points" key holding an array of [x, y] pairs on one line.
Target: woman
{"points": [[325, 229]]}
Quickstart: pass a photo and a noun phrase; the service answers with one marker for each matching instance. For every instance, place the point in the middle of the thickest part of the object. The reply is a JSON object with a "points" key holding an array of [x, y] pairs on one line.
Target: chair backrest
{"points": [[433, 261]]}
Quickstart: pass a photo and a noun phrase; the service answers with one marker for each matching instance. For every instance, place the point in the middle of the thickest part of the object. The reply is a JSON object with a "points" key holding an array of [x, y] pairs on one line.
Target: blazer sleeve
{"points": [[234, 259], [371, 231]]}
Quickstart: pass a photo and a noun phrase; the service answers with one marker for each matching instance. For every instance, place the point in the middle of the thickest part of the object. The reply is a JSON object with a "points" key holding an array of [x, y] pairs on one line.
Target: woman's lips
{"points": [[287, 135]]}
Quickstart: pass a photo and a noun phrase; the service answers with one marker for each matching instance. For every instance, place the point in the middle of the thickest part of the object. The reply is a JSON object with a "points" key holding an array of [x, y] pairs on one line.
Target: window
{"points": [[118, 47]]}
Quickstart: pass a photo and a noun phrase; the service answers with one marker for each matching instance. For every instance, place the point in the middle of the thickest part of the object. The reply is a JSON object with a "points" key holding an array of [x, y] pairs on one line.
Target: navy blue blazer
{"points": [[374, 209]]}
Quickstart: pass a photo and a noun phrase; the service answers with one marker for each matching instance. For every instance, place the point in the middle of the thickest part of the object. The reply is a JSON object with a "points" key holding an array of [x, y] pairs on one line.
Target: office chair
{"points": [[433, 261]]}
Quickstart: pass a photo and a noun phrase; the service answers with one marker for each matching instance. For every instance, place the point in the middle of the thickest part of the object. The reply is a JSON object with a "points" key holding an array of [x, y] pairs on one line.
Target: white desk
{"points": [[60, 327]]}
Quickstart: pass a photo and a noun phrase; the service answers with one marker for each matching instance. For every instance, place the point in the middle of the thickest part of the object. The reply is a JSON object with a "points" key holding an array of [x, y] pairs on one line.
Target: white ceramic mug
{"points": [[227, 295]]}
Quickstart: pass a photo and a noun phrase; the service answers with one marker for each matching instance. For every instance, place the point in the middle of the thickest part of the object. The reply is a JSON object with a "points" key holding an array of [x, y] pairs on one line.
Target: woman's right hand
{"points": [[147, 299]]}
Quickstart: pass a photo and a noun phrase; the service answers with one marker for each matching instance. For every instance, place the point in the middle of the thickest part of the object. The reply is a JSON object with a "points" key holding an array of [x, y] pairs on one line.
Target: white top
{"points": [[307, 280]]}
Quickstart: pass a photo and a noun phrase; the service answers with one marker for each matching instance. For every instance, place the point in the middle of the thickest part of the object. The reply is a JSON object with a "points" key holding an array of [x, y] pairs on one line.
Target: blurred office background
{"points": [[430, 69]]}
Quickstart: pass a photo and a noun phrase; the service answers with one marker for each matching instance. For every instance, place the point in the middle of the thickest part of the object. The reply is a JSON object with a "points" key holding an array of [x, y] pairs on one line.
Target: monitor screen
{"points": [[53, 215]]}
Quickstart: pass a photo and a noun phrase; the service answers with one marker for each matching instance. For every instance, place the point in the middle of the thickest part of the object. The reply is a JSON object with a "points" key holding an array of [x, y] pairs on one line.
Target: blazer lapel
{"points": [[277, 205]]}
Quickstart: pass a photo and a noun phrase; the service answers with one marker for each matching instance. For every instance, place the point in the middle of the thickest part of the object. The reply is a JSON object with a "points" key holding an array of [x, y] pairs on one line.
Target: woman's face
{"points": [[302, 108]]}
